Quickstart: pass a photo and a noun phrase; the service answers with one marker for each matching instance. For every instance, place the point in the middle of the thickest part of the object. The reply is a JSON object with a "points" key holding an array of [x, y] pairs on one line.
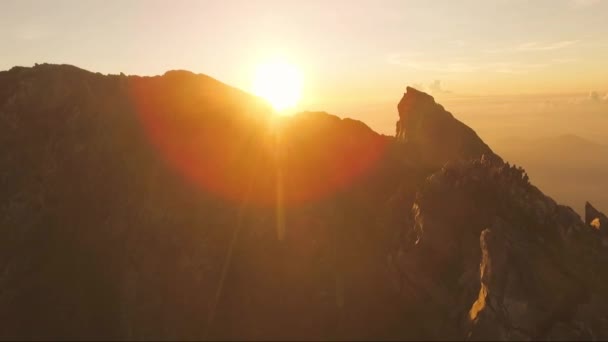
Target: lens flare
{"points": [[230, 144]]}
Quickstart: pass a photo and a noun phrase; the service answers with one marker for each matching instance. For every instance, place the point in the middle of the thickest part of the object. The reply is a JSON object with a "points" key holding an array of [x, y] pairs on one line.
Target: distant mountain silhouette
{"points": [[177, 207]]}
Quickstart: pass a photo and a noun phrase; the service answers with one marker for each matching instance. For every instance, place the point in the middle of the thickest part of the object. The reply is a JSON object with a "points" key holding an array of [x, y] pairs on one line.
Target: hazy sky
{"points": [[350, 52]]}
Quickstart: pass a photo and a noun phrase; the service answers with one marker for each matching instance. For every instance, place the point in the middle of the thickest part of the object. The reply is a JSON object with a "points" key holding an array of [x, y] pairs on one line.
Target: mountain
{"points": [[176, 207]]}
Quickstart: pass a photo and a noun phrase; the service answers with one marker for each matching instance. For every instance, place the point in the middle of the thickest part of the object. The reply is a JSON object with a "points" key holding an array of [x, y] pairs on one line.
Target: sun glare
{"points": [[280, 83]]}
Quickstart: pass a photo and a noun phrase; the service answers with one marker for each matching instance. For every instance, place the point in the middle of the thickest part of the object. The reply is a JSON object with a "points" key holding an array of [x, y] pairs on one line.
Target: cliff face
{"points": [[177, 207]]}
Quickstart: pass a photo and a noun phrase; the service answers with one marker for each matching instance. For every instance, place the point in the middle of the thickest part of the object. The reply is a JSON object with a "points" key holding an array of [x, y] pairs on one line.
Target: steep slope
{"points": [[177, 207]]}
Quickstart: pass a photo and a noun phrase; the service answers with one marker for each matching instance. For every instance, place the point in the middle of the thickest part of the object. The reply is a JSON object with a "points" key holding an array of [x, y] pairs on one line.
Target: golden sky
{"points": [[349, 52]]}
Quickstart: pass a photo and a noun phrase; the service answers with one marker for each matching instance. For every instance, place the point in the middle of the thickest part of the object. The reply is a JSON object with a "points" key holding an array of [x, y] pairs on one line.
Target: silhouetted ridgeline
{"points": [[123, 196]]}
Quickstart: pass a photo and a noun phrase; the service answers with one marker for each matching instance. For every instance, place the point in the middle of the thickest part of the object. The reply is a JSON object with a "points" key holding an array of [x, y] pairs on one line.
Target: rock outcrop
{"points": [[536, 269], [433, 132]]}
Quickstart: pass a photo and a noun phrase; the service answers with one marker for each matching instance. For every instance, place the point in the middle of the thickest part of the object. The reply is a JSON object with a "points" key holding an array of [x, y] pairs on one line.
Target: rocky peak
{"points": [[439, 137], [415, 100], [412, 106], [595, 218]]}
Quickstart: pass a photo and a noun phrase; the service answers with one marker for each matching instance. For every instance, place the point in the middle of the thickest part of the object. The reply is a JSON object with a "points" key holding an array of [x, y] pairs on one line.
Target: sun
{"points": [[280, 83]]}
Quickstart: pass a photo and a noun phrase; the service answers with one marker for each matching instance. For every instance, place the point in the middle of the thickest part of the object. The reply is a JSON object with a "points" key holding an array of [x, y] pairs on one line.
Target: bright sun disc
{"points": [[279, 83]]}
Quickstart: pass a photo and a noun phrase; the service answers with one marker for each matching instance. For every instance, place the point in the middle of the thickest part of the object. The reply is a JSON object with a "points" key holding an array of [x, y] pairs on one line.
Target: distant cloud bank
{"points": [[595, 96]]}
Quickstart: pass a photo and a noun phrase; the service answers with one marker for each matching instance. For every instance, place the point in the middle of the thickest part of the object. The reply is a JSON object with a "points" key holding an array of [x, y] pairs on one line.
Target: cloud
{"points": [[471, 66], [434, 88], [419, 86], [584, 3], [533, 46], [459, 63], [459, 43], [592, 98], [399, 57], [452, 67], [597, 97], [31, 32]]}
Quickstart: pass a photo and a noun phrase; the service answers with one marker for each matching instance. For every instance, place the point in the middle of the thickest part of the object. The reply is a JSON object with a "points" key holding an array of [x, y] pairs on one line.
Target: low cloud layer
{"points": [[597, 97], [594, 97]]}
